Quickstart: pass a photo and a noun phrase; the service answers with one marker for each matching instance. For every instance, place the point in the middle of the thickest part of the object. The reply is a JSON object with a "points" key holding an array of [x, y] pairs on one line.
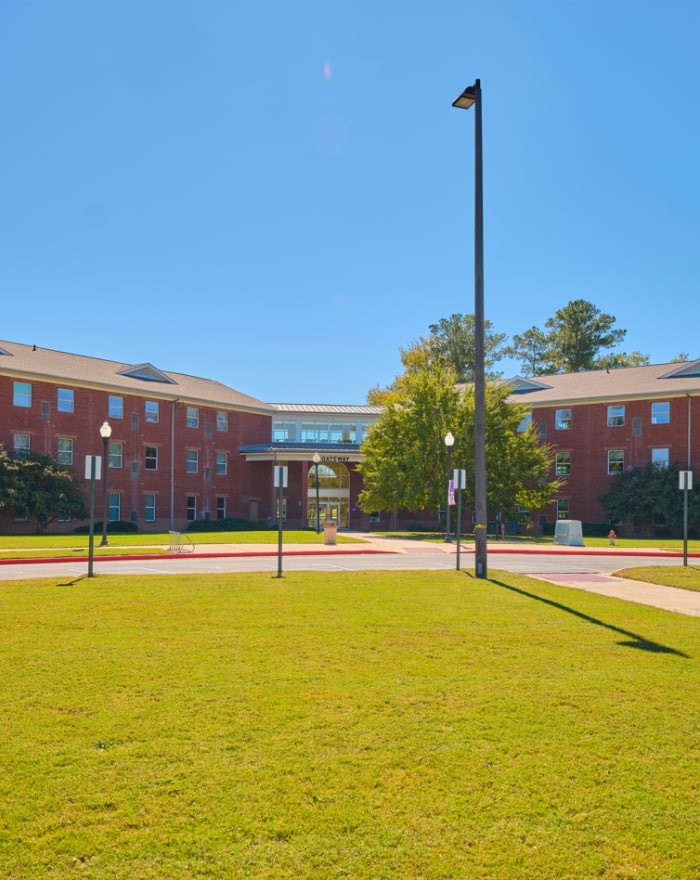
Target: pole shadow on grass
{"points": [[636, 641]]}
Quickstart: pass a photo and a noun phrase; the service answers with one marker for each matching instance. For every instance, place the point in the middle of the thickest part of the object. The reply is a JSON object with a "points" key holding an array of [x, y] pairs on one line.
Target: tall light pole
{"points": [[449, 443], [472, 95], [105, 433], [317, 461]]}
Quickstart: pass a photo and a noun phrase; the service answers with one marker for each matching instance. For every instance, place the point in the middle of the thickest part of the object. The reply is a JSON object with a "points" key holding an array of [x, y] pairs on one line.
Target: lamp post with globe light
{"points": [[105, 433]]}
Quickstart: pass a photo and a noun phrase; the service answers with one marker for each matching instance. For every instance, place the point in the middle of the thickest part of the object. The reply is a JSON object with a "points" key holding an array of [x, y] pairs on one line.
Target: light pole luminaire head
{"points": [[105, 430], [468, 96], [449, 440]]}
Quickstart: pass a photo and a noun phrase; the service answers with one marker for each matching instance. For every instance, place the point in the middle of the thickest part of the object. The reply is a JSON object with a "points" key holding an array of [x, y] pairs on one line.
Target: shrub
{"points": [[230, 524], [122, 526]]}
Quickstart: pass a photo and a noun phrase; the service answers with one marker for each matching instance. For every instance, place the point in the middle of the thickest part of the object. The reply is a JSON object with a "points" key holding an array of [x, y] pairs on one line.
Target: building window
{"points": [[221, 464], [115, 507], [191, 508], [616, 416], [636, 427], [134, 470], [192, 420], [191, 461], [150, 508], [65, 451], [525, 423], [21, 445], [221, 508], [659, 458], [65, 400], [222, 421], [563, 508], [115, 407], [562, 420], [21, 394], [64, 517], [563, 464], [207, 474], [208, 433], [115, 458], [661, 413], [616, 461], [284, 432], [542, 430], [45, 410], [151, 460], [151, 411], [134, 421]]}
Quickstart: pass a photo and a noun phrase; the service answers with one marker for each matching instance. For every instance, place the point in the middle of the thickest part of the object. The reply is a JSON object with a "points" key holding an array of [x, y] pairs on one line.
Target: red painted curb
{"points": [[559, 551]]}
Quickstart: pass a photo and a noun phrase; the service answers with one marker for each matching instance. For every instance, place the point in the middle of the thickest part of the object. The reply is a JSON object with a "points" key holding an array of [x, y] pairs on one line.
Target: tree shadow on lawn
{"points": [[637, 641]]}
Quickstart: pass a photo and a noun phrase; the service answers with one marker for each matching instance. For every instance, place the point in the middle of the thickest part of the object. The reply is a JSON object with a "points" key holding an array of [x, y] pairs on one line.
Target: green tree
{"points": [[405, 459], [621, 360], [452, 340], [37, 487], [577, 333], [573, 341], [531, 348], [648, 494]]}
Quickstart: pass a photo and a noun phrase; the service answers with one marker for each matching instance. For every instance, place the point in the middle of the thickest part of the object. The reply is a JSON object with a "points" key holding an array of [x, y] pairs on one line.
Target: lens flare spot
{"points": [[327, 70]]}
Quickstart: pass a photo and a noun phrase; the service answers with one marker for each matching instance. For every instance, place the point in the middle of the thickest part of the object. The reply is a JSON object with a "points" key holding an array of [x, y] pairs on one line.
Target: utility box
{"points": [[330, 531], [568, 531]]}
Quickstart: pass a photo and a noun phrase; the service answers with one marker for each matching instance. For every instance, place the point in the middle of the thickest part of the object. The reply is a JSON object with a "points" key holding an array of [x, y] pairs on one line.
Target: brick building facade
{"points": [[184, 448], [603, 422]]}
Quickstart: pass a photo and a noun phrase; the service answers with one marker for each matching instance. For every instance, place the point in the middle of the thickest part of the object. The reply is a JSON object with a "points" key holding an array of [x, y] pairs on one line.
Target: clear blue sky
{"points": [[279, 195]]}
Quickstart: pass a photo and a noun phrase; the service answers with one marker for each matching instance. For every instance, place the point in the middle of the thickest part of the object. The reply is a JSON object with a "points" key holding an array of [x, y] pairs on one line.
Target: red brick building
{"points": [[184, 448], [181, 448], [603, 422]]}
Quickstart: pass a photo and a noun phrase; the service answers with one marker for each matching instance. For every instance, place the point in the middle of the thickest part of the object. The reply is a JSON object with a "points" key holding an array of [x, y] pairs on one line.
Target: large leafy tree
{"points": [[576, 338], [644, 494], [405, 459], [37, 487]]}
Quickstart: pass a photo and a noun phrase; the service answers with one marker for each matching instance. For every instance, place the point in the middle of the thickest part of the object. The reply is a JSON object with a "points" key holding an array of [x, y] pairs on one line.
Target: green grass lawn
{"points": [[369, 725], [18, 546]]}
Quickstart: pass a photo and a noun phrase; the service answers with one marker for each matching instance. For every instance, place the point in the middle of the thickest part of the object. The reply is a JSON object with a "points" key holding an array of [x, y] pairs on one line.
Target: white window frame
{"points": [[192, 461], [661, 413], [222, 421], [115, 406], [221, 464], [616, 461], [65, 451], [660, 457], [151, 411], [192, 417], [115, 455], [191, 508], [562, 464], [22, 394], [152, 457], [563, 419], [221, 507], [149, 507], [22, 444], [563, 508], [65, 400], [114, 507], [616, 416]]}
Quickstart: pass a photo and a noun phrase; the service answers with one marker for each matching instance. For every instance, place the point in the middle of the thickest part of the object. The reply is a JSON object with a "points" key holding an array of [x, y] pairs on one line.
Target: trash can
{"points": [[330, 531]]}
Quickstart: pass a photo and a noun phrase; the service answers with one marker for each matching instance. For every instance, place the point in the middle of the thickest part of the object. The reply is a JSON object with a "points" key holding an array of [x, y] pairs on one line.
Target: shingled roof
{"points": [[656, 381], [27, 362]]}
